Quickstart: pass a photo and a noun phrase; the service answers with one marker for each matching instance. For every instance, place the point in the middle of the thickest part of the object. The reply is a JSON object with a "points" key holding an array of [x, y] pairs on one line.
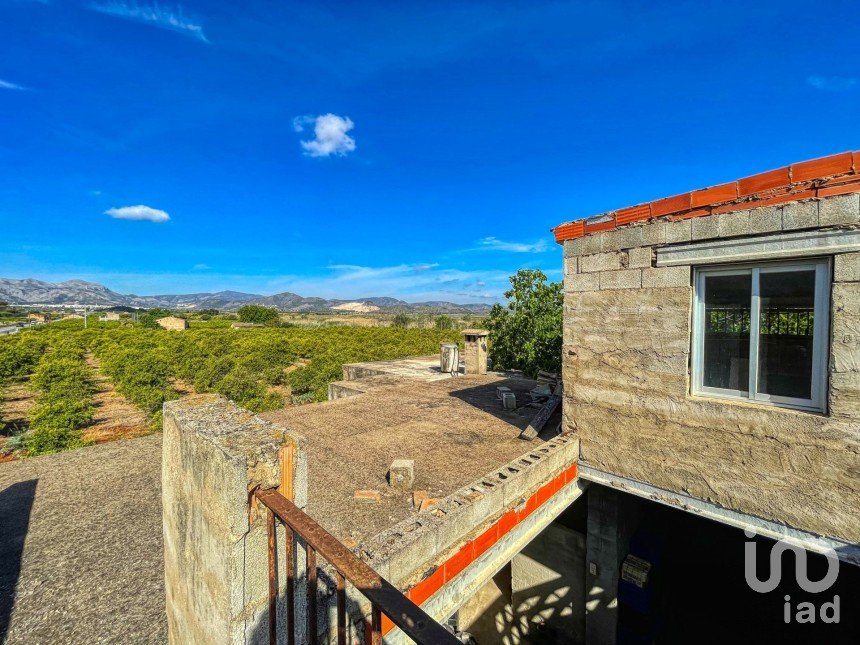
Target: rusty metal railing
{"points": [[384, 597]]}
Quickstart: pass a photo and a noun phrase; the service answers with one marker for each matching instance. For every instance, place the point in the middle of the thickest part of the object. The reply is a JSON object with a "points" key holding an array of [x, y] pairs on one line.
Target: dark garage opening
{"points": [[696, 590]]}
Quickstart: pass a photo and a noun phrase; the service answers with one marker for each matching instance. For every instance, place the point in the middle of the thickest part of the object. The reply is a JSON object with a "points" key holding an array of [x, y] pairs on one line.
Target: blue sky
{"points": [[421, 150]]}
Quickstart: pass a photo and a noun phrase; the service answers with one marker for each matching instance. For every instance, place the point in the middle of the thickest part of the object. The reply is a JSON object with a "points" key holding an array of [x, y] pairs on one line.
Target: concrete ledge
{"points": [[342, 390], [846, 551], [765, 247], [464, 585], [405, 550], [353, 372]]}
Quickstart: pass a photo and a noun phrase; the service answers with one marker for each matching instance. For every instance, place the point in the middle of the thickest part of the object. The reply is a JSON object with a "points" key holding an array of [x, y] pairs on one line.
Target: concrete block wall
{"points": [[547, 587], [612, 520], [215, 545], [627, 336], [403, 553]]}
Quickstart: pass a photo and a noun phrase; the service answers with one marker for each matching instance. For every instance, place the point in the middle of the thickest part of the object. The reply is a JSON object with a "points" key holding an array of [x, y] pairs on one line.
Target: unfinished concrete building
{"points": [[711, 411], [712, 363]]}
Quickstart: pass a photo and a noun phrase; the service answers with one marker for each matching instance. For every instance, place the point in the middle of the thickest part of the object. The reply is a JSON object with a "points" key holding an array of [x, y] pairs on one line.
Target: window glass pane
{"points": [[727, 332], [785, 333]]}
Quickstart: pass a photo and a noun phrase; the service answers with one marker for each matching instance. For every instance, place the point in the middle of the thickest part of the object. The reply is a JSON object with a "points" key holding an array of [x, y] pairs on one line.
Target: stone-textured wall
{"points": [[215, 557], [173, 323], [547, 587], [627, 329], [475, 354]]}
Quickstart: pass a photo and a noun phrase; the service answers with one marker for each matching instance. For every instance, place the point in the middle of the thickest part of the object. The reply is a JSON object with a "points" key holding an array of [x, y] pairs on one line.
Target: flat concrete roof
{"points": [[81, 552], [454, 428]]}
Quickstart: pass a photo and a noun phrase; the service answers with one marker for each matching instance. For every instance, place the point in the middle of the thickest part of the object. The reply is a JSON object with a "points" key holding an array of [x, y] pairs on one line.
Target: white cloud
{"points": [[155, 15], [6, 85], [832, 83], [495, 244], [412, 282], [201, 267], [138, 213], [356, 272], [330, 134]]}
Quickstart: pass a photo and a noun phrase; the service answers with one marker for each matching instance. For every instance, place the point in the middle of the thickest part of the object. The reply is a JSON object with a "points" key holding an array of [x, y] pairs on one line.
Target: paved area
{"points": [[81, 546]]}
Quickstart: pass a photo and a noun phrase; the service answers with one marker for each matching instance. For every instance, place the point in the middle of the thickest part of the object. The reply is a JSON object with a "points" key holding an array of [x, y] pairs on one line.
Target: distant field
{"points": [[10, 317], [418, 321], [62, 386]]}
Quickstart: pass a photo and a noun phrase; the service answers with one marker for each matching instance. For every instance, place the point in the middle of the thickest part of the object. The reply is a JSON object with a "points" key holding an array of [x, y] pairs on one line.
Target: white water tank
{"points": [[449, 358]]}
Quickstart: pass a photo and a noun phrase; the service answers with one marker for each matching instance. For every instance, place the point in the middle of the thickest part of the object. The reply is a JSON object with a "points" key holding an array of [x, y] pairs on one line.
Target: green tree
{"points": [[526, 334], [401, 321], [258, 314], [444, 323], [64, 405], [150, 318]]}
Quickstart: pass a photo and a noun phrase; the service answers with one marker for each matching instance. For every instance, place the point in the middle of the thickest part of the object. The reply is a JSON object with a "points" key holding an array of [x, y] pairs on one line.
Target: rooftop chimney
{"points": [[475, 353]]}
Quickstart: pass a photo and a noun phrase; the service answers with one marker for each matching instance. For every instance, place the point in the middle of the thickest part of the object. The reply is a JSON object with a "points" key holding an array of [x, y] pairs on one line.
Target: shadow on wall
{"points": [[16, 502], [538, 598], [257, 633]]}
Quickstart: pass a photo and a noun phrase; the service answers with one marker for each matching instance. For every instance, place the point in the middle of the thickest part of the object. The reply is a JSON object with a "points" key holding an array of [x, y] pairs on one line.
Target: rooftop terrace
{"points": [[454, 428]]}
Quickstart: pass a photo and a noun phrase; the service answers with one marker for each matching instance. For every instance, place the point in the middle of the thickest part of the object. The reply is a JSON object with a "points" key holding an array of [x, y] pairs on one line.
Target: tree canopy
{"points": [[401, 321], [151, 317], [258, 314], [527, 333], [444, 323]]}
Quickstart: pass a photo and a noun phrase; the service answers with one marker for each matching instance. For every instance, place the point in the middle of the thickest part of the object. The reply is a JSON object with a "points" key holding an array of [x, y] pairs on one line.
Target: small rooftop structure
{"points": [[475, 352], [475, 332]]}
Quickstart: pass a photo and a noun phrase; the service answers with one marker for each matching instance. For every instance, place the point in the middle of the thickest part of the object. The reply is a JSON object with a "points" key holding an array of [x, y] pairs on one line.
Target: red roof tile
{"points": [[834, 175]]}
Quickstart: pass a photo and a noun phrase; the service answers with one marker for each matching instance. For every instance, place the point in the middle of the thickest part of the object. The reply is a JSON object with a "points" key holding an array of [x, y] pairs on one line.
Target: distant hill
{"points": [[80, 292]]}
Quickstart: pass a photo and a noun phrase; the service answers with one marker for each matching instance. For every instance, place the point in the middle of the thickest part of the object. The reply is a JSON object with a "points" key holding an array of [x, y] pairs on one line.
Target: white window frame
{"points": [[820, 334]]}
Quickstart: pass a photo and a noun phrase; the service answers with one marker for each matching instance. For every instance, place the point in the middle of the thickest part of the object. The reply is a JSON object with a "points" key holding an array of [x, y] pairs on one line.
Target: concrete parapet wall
{"points": [[342, 390], [356, 371], [461, 573], [215, 555], [403, 553], [626, 358]]}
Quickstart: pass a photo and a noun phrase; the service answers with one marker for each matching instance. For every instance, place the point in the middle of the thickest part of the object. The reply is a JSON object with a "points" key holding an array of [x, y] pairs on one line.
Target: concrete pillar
{"points": [[612, 520], [547, 579], [215, 547], [487, 616], [475, 352]]}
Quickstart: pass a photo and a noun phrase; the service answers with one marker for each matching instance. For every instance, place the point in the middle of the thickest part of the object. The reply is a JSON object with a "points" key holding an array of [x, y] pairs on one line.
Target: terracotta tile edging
{"points": [[837, 174], [477, 546]]}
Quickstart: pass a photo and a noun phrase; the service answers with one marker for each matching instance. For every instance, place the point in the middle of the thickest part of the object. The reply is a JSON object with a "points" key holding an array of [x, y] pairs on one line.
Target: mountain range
{"points": [[80, 292]]}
